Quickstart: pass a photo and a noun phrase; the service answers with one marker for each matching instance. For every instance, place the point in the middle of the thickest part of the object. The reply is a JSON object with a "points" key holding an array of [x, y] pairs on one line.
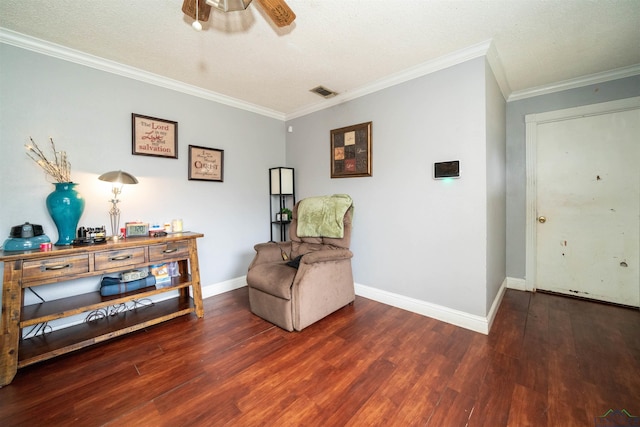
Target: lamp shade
{"points": [[118, 177], [229, 5], [281, 180]]}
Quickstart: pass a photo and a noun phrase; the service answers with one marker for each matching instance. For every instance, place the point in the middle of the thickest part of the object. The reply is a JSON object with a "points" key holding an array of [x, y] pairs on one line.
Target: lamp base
{"points": [[114, 217]]}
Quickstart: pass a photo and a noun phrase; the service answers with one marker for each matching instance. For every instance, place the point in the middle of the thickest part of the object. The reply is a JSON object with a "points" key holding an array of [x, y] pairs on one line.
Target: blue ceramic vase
{"points": [[65, 205]]}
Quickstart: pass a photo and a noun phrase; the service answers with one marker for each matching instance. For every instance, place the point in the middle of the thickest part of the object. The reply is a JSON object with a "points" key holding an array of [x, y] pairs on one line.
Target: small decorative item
{"points": [[351, 151], [154, 137], [206, 164], [136, 229], [59, 168], [286, 214], [176, 225], [65, 204]]}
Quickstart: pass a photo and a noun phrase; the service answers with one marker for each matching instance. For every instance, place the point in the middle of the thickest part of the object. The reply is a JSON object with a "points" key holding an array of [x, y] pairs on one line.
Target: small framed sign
{"points": [[154, 137], [206, 164]]}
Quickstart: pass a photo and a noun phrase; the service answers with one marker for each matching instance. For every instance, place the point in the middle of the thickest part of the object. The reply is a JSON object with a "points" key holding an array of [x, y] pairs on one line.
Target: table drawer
{"points": [[169, 251], [51, 268], [119, 259]]}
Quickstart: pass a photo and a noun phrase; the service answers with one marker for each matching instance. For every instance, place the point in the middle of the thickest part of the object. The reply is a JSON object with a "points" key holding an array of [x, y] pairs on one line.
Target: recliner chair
{"points": [[296, 283]]}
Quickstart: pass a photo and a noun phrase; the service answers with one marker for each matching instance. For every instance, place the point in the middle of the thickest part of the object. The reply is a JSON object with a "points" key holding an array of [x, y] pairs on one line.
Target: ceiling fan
{"points": [[279, 12]]}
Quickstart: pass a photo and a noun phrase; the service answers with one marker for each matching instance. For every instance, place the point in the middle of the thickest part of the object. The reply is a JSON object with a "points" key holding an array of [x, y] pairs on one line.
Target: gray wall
{"points": [[427, 245], [413, 235], [516, 162], [496, 188], [88, 113]]}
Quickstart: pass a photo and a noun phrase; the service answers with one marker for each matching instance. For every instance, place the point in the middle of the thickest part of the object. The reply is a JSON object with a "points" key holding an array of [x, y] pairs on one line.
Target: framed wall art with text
{"points": [[154, 137], [206, 164]]}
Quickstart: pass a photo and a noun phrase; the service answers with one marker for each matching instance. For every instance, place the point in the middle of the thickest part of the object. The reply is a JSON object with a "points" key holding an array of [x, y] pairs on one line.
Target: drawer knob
{"points": [[169, 251], [120, 258], [54, 267]]}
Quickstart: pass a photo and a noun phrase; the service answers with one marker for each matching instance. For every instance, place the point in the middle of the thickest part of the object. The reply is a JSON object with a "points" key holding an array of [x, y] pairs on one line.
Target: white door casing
{"points": [[589, 244]]}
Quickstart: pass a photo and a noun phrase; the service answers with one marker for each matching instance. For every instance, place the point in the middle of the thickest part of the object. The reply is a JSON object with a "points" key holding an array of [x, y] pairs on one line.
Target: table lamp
{"points": [[117, 180]]}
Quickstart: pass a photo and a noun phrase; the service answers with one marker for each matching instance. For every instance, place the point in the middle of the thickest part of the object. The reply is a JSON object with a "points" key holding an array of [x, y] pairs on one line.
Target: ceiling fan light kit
{"points": [[229, 5], [278, 10], [196, 9], [196, 24]]}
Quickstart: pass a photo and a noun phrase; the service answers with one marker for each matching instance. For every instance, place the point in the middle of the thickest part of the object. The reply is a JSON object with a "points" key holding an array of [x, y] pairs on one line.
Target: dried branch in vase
{"points": [[59, 168]]}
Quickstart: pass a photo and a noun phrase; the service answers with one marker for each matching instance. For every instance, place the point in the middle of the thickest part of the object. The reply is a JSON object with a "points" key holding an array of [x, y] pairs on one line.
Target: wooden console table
{"points": [[35, 268]]}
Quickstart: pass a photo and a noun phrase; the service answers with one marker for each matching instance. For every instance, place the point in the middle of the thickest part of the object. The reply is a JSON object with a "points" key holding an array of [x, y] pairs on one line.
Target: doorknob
{"points": [[542, 219]]}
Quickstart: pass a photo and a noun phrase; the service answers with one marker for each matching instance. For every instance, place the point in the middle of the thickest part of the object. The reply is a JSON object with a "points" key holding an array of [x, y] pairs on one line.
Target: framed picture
{"points": [[351, 151], [154, 137], [206, 164]]}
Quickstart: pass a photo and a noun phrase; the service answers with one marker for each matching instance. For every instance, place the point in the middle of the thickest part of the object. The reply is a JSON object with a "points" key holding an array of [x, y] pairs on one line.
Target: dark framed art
{"points": [[206, 164], [351, 154], [154, 137]]}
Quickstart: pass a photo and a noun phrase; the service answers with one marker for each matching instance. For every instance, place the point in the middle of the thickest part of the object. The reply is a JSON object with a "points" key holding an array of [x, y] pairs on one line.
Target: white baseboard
{"points": [[222, 287], [518, 284], [435, 311], [455, 317], [496, 304]]}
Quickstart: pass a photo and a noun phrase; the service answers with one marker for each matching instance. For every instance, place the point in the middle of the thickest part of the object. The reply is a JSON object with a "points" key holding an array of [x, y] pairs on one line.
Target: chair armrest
{"points": [[270, 252], [326, 255]]}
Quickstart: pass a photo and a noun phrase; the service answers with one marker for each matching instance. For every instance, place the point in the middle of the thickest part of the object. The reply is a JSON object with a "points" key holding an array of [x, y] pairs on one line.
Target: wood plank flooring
{"points": [[549, 361]]}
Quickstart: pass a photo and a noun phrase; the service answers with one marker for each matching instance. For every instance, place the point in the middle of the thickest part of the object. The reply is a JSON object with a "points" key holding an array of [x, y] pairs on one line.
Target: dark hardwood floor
{"points": [[549, 361]]}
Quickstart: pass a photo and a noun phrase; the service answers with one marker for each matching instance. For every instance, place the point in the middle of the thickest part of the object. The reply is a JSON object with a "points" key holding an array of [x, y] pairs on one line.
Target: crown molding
{"points": [[420, 70], [591, 79], [498, 70], [485, 48], [57, 51]]}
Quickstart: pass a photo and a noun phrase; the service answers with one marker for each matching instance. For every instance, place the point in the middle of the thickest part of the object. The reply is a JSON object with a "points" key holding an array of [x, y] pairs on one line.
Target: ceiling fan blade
{"points": [[189, 9], [279, 12]]}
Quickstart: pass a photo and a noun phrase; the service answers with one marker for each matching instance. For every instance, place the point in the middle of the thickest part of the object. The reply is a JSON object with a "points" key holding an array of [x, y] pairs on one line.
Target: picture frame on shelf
{"points": [[151, 136], [351, 151], [206, 164]]}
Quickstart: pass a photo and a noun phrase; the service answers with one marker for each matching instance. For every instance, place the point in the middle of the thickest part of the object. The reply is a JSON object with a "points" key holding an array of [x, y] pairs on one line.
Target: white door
{"points": [[587, 202]]}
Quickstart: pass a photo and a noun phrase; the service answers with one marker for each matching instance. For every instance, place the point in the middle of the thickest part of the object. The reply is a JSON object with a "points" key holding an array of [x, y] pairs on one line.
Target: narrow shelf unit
{"points": [[282, 195]]}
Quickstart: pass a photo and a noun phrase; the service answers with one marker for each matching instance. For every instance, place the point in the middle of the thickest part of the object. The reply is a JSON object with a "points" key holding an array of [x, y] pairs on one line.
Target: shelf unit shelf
{"points": [[34, 314], [46, 346]]}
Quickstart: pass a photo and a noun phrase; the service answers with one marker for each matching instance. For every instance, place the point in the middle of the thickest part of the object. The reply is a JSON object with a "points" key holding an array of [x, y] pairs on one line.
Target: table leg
{"points": [[10, 321], [195, 277]]}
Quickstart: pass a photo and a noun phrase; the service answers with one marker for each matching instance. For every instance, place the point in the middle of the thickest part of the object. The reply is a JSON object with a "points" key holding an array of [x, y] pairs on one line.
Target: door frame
{"points": [[531, 146]]}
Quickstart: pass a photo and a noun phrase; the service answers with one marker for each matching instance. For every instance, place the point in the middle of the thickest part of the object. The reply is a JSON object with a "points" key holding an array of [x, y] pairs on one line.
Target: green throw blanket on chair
{"points": [[323, 216]]}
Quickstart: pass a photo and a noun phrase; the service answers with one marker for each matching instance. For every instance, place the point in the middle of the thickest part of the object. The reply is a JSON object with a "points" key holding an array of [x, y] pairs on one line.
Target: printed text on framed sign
{"points": [[154, 137], [206, 164]]}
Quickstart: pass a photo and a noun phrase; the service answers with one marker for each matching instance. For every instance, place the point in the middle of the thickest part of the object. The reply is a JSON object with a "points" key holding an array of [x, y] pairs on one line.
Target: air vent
{"points": [[324, 92]]}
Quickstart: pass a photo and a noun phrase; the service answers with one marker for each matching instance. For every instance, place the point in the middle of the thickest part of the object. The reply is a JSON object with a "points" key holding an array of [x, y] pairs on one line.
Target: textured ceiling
{"points": [[343, 45]]}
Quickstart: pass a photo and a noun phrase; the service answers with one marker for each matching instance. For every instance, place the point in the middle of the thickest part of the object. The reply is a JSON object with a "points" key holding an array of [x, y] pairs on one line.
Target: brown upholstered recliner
{"points": [[322, 283]]}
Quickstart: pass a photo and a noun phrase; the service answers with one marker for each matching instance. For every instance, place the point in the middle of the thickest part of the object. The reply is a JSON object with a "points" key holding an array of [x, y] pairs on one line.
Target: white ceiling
{"points": [[344, 45]]}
